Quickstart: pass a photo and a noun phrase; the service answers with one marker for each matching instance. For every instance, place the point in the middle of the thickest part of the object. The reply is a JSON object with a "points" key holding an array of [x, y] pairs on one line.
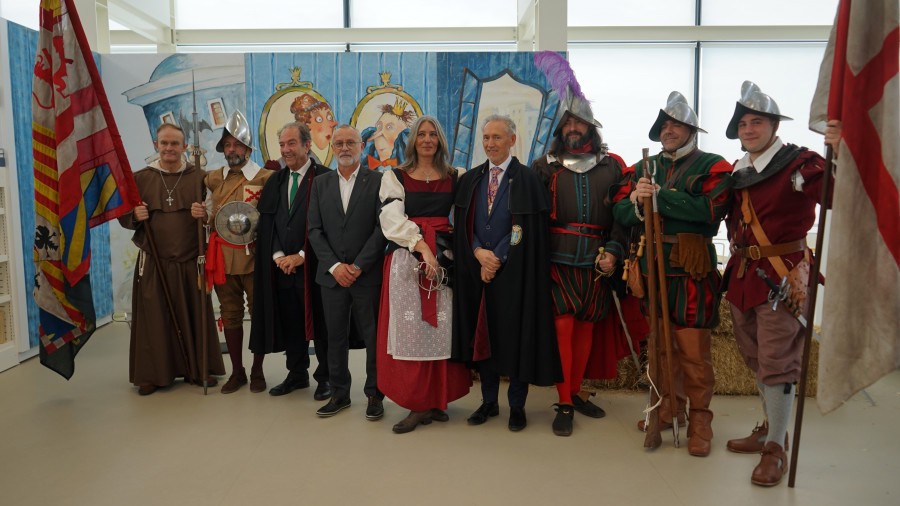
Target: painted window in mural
{"points": [[502, 93]]}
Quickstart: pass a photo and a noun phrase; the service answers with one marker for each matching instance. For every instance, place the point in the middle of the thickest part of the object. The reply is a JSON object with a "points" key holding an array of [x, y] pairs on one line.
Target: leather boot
{"points": [[700, 433], [695, 356], [772, 466], [237, 379]]}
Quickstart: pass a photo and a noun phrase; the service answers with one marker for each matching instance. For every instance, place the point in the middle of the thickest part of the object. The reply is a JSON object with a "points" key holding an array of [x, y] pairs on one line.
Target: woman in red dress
{"points": [[415, 318]]}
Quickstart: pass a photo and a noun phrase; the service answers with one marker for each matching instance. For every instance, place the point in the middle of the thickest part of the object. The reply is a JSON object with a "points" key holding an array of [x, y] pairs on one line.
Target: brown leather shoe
{"points": [[411, 421], [147, 389], [772, 466], [438, 415], [755, 442], [235, 381], [257, 382]]}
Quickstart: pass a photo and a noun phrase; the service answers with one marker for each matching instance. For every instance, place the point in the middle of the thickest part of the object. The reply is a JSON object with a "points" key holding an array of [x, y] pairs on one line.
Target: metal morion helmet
{"points": [[237, 127], [676, 109], [562, 79], [753, 101]]}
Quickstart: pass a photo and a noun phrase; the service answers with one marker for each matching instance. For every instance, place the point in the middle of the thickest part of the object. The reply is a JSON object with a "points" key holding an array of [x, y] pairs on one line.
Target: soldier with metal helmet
{"points": [[231, 207], [579, 174], [693, 190], [776, 189]]}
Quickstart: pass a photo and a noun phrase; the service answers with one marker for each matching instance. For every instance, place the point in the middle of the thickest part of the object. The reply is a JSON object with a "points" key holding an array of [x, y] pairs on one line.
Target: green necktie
{"points": [[294, 186]]}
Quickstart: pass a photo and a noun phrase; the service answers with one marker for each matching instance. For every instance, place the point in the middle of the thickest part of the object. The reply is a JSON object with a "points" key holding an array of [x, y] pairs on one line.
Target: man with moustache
{"points": [[230, 266], [503, 323], [288, 302], [693, 189], [168, 187], [345, 234], [776, 189], [579, 174]]}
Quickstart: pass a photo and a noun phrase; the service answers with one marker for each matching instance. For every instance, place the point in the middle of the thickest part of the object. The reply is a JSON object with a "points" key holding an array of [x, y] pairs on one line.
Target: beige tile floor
{"points": [[94, 441]]}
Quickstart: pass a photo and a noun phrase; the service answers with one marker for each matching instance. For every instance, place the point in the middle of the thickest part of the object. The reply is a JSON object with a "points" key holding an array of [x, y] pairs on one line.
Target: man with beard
{"points": [[345, 234], [579, 174], [777, 187], [230, 266], [168, 187], [693, 189], [288, 302]]}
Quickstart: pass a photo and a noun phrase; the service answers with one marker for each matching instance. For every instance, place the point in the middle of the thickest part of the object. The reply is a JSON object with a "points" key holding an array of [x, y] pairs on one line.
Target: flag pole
{"points": [[811, 301]]}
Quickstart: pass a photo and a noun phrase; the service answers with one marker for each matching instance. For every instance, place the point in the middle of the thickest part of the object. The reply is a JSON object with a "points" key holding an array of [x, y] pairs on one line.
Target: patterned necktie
{"points": [[493, 184], [295, 176]]}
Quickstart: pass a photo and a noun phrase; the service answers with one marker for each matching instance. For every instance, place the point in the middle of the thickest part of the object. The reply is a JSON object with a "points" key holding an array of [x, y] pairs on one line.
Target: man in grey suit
{"points": [[345, 234]]}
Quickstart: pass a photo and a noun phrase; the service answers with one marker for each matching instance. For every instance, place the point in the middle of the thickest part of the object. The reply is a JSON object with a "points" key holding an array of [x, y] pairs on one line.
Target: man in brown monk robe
{"points": [[168, 187]]}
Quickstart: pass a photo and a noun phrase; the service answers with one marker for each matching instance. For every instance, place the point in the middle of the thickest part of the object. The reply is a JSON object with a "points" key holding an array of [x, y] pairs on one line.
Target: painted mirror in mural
{"points": [[297, 101], [383, 118], [526, 103]]}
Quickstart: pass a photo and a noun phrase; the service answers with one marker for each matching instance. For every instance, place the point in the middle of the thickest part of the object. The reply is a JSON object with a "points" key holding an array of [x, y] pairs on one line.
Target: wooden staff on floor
{"points": [[811, 301], [653, 438], [201, 257], [663, 300]]}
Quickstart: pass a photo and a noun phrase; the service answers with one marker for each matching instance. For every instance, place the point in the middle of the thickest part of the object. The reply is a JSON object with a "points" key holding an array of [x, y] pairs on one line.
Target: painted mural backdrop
{"points": [[381, 94]]}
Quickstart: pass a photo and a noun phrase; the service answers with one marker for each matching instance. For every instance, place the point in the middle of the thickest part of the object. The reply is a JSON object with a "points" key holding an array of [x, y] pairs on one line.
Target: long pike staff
{"points": [[663, 301], [201, 257], [653, 438]]}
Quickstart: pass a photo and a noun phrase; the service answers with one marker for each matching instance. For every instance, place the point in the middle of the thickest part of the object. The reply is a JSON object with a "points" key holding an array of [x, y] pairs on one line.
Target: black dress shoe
{"points": [[323, 391], [562, 424], [484, 411], [517, 420], [333, 407], [290, 384], [375, 409], [587, 407]]}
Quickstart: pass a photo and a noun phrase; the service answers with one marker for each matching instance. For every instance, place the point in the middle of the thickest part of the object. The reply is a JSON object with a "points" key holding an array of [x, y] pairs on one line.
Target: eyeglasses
{"points": [[341, 144]]}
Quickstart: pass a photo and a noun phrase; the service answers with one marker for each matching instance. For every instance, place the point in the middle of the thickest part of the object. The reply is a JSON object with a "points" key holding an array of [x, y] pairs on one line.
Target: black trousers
{"points": [[340, 303], [291, 304]]}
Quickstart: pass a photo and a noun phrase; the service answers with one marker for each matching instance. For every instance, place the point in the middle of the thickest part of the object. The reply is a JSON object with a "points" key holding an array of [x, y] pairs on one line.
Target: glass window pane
{"points": [[642, 13], [786, 72], [768, 12], [627, 85], [414, 13], [236, 14], [23, 13]]}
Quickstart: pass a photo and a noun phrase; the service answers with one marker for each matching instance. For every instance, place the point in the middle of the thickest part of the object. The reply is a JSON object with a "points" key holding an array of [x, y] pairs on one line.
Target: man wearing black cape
{"points": [[288, 302], [503, 323]]}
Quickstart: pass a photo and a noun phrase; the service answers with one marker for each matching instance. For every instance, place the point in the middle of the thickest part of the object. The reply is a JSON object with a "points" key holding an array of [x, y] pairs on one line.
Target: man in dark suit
{"points": [[503, 320], [289, 302], [345, 234]]}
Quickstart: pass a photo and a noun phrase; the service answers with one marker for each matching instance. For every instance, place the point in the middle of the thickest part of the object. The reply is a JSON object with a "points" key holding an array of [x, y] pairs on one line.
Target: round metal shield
{"points": [[236, 222]]}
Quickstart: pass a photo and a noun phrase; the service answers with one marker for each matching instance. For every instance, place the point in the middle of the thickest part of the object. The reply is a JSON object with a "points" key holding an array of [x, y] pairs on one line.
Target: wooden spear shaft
{"points": [[813, 292]]}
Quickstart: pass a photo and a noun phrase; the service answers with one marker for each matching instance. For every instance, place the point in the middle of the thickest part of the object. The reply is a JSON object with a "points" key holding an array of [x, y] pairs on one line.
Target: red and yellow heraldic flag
{"points": [[81, 179]]}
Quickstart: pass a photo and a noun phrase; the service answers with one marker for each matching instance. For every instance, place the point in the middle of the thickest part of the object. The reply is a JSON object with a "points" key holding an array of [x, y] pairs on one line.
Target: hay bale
{"points": [[733, 377]]}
